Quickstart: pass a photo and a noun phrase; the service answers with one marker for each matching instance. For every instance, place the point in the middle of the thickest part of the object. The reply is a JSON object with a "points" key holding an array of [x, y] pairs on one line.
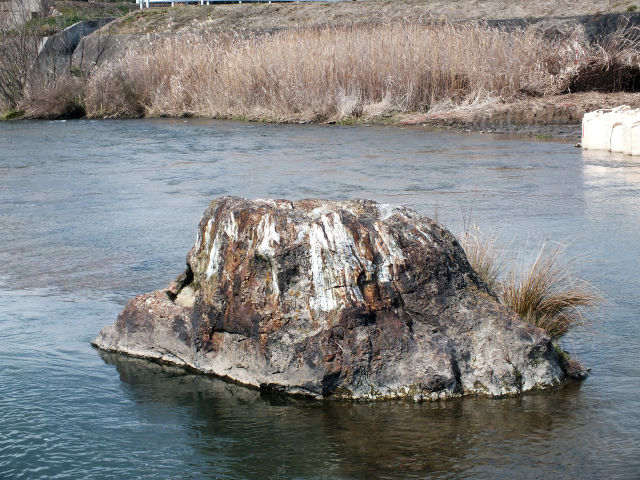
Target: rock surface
{"points": [[335, 300]]}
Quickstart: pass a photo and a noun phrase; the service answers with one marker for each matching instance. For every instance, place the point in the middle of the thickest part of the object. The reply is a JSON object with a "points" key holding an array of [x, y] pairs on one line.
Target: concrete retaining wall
{"points": [[65, 42]]}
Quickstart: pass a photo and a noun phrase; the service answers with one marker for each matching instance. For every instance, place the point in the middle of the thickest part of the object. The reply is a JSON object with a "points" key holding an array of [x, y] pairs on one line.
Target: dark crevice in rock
{"points": [[329, 382], [458, 388], [181, 281]]}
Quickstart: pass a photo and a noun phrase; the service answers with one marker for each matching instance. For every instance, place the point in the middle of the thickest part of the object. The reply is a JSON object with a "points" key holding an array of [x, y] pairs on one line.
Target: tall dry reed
{"points": [[320, 74], [484, 255], [610, 65]]}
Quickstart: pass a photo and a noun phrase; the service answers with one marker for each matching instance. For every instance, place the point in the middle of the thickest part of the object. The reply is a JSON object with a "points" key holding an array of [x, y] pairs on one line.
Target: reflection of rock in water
{"points": [[170, 384], [255, 434], [335, 300]]}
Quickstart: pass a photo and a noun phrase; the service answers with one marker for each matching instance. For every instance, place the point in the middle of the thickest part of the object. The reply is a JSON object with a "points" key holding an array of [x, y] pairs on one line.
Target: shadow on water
{"points": [[258, 434]]}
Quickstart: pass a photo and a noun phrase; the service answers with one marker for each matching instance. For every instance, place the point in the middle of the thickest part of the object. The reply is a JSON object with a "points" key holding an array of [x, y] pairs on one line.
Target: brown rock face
{"points": [[334, 300]]}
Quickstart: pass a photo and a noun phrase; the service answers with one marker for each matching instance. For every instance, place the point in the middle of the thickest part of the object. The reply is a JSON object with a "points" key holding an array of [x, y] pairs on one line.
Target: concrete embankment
{"points": [[57, 51]]}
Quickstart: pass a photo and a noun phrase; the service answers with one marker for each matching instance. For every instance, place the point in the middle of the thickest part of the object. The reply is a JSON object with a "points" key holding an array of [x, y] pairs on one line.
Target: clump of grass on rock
{"points": [[547, 293]]}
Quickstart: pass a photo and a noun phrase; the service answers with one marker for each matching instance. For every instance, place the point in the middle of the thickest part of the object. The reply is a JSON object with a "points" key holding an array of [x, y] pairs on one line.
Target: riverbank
{"points": [[354, 63], [554, 116]]}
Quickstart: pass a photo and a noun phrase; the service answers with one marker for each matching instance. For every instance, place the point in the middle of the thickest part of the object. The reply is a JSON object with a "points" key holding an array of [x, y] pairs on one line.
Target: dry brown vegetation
{"points": [[485, 256], [547, 292], [28, 79], [612, 65], [57, 97], [331, 73], [322, 74], [423, 71], [18, 49]]}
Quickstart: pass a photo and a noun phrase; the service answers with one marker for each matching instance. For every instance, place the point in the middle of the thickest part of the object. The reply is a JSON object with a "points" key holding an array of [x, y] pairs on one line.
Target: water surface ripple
{"points": [[95, 212]]}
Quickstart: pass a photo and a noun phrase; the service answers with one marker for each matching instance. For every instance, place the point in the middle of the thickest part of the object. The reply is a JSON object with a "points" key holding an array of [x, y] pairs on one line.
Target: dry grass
{"points": [[58, 97], [323, 65], [548, 293], [612, 65], [485, 256], [321, 74]]}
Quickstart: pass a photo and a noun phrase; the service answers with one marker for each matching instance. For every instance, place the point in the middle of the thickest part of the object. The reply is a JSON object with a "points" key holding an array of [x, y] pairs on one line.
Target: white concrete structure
{"points": [[615, 130]]}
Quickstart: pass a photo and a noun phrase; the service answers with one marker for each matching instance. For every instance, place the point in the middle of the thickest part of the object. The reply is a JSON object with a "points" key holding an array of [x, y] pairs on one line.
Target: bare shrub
{"points": [[57, 97], [18, 51], [114, 91], [320, 73]]}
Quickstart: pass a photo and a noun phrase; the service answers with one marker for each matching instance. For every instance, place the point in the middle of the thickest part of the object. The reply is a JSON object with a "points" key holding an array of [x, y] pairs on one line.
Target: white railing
{"points": [[148, 3]]}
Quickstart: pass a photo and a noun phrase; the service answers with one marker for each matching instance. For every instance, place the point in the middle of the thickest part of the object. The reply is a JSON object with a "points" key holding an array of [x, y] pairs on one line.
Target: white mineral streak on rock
{"points": [[334, 264], [198, 243], [229, 228], [323, 296], [318, 212], [214, 256], [207, 234], [429, 238], [387, 211], [342, 249], [267, 201], [391, 253], [266, 231], [303, 231]]}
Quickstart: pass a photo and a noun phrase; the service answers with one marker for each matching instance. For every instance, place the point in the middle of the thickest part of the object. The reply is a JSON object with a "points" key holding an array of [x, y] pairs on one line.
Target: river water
{"points": [[95, 212]]}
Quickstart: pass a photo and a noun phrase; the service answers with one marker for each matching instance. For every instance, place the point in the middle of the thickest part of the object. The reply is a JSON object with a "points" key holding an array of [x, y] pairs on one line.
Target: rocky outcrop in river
{"points": [[335, 300]]}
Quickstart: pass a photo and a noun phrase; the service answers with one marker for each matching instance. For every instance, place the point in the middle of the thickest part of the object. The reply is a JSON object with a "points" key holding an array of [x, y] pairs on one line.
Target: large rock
{"points": [[335, 299]]}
